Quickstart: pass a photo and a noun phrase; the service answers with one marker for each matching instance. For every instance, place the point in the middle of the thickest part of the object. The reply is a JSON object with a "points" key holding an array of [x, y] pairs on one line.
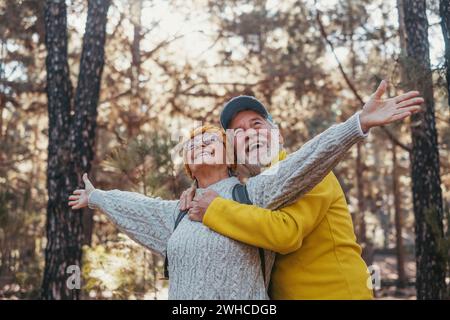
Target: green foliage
{"points": [[121, 270], [20, 249], [147, 162]]}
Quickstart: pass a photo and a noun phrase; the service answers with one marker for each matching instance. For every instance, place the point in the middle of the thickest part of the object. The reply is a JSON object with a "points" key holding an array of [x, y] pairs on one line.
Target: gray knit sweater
{"points": [[202, 263]]}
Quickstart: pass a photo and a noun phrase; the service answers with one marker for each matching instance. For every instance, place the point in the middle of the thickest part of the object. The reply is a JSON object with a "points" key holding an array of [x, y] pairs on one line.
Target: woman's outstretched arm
{"points": [[148, 221]]}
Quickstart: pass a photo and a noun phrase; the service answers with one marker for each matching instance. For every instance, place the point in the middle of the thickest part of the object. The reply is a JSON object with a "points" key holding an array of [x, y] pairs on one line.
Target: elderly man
{"points": [[318, 256]]}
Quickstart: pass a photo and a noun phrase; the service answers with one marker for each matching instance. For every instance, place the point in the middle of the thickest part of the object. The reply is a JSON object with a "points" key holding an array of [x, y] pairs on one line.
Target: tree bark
{"points": [[87, 95], [444, 12], [63, 226], [400, 250], [71, 139], [427, 194]]}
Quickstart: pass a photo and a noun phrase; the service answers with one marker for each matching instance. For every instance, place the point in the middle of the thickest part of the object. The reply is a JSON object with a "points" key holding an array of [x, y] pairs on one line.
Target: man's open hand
{"points": [[380, 111], [200, 204]]}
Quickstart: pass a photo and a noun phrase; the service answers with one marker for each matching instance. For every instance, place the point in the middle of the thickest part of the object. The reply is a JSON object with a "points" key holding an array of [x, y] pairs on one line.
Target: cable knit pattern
{"points": [[202, 263], [286, 181]]}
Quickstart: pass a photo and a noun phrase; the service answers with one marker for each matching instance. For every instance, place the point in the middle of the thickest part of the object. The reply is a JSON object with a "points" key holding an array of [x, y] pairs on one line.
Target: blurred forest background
{"points": [[101, 86]]}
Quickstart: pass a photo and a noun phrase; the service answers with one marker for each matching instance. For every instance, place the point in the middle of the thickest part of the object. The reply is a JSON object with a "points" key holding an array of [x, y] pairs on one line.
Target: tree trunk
{"points": [[361, 233], [87, 95], [400, 250], [63, 226], [401, 25], [427, 194], [133, 120], [71, 140], [444, 12]]}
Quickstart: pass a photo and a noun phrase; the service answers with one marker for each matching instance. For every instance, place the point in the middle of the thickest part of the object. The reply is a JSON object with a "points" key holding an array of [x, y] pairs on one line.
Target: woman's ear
{"points": [[280, 136]]}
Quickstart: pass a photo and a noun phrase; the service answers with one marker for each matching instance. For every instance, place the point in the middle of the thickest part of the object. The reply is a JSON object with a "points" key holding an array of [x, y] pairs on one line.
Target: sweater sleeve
{"points": [[294, 176], [148, 221], [281, 230]]}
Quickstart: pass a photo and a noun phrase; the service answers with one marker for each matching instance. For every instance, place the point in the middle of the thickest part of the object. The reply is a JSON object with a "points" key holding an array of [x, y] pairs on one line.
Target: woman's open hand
{"points": [[378, 111], [79, 198]]}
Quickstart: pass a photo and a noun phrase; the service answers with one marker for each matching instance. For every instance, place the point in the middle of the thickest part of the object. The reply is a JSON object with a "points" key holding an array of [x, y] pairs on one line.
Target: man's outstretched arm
{"points": [[281, 231]]}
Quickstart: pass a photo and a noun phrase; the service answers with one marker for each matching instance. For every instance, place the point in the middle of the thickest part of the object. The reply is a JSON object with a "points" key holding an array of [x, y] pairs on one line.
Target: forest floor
{"points": [[387, 264]]}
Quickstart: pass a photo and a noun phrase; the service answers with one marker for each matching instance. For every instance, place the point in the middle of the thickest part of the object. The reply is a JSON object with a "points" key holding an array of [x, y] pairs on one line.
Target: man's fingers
{"points": [[73, 197], [72, 203], [406, 96], [400, 116], [193, 217], [411, 109], [78, 191], [410, 102], [193, 211], [381, 89]]}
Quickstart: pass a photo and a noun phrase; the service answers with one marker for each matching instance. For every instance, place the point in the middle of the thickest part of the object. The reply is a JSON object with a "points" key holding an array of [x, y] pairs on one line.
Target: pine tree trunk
{"points": [[400, 250], [63, 226], [361, 234], [86, 98], [427, 194], [71, 139], [444, 12]]}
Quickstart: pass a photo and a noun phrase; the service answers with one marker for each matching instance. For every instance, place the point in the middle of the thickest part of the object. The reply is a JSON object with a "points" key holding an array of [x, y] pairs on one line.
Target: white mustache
{"points": [[204, 153], [256, 145]]}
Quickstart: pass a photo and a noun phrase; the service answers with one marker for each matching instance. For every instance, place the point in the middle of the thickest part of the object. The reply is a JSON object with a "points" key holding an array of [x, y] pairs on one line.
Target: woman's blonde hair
{"points": [[201, 130]]}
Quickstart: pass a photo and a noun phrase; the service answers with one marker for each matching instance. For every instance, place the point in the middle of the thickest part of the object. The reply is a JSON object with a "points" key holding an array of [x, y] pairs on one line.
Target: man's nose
{"points": [[200, 145], [249, 133]]}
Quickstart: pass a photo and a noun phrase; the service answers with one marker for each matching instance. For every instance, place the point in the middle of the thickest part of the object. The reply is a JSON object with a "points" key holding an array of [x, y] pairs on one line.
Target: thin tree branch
{"points": [[352, 87]]}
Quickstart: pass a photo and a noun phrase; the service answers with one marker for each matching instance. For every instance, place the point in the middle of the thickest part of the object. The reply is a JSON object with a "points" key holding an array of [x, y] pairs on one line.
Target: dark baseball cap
{"points": [[238, 104]]}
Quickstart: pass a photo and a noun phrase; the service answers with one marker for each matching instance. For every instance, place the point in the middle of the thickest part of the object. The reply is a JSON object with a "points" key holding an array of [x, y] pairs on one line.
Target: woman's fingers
{"points": [[410, 102], [183, 201], [190, 195], [78, 191], [74, 197], [72, 203], [186, 198], [406, 96], [87, 182]]}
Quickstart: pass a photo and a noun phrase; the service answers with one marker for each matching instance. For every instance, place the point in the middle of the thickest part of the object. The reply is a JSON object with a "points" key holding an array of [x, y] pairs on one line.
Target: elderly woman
{"points": [[202, 263]]}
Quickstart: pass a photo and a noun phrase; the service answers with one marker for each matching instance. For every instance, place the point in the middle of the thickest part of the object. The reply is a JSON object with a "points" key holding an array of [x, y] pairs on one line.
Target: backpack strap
{"points": [[240, 194], [180, 217]]}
